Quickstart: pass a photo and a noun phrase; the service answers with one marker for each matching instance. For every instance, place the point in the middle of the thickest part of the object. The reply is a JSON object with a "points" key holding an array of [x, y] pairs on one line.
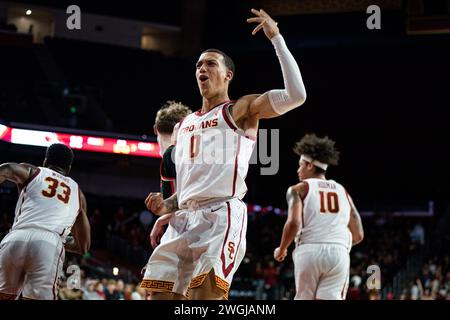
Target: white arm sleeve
{"points": [[294, 93]]}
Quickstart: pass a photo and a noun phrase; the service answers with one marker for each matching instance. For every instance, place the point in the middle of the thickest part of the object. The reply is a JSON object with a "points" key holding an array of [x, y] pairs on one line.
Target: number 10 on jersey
{"points": [[331, 205]]}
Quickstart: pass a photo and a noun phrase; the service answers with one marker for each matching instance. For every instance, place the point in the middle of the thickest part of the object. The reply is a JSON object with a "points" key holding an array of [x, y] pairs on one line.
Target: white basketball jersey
{"points": [[50, 201], [212, 157], [326, 214]]}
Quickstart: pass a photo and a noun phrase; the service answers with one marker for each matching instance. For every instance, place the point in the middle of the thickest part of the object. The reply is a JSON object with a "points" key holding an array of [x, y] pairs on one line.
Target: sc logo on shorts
{"points": [[231, 250]]}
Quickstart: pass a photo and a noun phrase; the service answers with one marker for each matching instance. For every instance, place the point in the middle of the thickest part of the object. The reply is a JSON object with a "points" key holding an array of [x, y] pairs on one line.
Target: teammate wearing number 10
{"points": [[50, 206], [324, 223]]}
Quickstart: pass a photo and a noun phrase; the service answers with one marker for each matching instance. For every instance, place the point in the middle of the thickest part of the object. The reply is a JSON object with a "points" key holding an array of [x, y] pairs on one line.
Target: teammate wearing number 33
{"points": [[205, 242], [50, 207], [324, 223]]}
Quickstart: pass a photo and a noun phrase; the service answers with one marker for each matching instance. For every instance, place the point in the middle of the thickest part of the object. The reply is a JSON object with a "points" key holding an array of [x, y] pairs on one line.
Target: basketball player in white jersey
{"points": [[324, 223], [206, 240], [50, 206]]}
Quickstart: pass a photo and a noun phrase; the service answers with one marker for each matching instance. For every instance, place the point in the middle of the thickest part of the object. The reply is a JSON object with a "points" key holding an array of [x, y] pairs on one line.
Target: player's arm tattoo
{"points": [[171, 203], [292, 197]]}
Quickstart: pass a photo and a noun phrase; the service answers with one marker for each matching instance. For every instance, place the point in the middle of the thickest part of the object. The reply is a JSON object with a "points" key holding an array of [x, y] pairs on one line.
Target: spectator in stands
{"points": [[374, 295], [110, 291], [99, 288], [390, 296], [258, 276], [270, 274], [128, 291], [418, 234], [404, 295], [119, 292], [89, 292], [354, 291], [415, 290]]}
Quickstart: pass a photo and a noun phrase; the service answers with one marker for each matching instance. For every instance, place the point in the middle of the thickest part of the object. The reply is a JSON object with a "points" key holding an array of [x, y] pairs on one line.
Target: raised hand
{"points": [[265, 22]]}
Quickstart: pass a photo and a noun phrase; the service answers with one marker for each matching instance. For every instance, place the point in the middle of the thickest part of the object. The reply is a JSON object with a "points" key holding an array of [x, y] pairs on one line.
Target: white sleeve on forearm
{"points": [[294, 93]]}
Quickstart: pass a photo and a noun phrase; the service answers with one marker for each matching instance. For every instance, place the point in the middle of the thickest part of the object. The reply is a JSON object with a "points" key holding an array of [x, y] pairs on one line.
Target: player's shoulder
{"points": [[248, 97], [32, 169], [241, 107], [28, 165], [167, 155], [245, 100], [301, 188], [169, 149]]}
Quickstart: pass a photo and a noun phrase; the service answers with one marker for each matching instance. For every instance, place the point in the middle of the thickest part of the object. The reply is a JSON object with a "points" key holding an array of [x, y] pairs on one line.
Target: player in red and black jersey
{"points": [[165, 127]]}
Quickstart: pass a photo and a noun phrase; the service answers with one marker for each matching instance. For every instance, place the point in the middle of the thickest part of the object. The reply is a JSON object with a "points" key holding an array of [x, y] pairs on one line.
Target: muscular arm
{"points": [[20, 174], [355, 224], [294, 220], [81, 230], [17, 173], [158, 229], [171, 203]]}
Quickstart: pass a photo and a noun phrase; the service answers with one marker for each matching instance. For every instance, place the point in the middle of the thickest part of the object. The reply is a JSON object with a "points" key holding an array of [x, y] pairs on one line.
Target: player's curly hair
{"points": [[321, 149], [169, 115]]}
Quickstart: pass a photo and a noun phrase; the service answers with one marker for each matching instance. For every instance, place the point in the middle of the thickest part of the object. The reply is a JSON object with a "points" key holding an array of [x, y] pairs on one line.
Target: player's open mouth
{"points": [[203, 78]]}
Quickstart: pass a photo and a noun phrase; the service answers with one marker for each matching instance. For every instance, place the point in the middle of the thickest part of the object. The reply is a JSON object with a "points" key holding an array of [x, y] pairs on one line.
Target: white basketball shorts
{"points": [[196, 242], [321, 271], [31, 262]]}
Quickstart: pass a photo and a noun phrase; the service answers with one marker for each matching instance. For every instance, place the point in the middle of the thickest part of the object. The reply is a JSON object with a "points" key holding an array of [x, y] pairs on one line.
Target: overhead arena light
{"points": [[28, 12], [77, 141]]}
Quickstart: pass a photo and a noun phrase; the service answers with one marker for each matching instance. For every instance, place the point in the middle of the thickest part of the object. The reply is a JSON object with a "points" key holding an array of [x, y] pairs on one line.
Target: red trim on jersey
{"points": [[346, 193], [303, 226], [303, 210], [160, 173], [227, 270], [56, 275], [79, 199], [181, 121], [178, 130], [24, 190], [227, 119], [34, 175], [231, 124], [236, 166], [199, 112], [303, 218], [20, 208], [307, 190], [222, 256], [172, 186], [348, 199]]}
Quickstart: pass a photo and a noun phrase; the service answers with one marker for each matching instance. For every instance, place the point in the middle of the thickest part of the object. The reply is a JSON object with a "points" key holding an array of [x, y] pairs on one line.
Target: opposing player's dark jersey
{"points": [[168, 173]]}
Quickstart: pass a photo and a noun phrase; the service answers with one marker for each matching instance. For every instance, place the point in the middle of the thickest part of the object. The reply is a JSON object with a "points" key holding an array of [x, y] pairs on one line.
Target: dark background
{"points": [[381, 94]]}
